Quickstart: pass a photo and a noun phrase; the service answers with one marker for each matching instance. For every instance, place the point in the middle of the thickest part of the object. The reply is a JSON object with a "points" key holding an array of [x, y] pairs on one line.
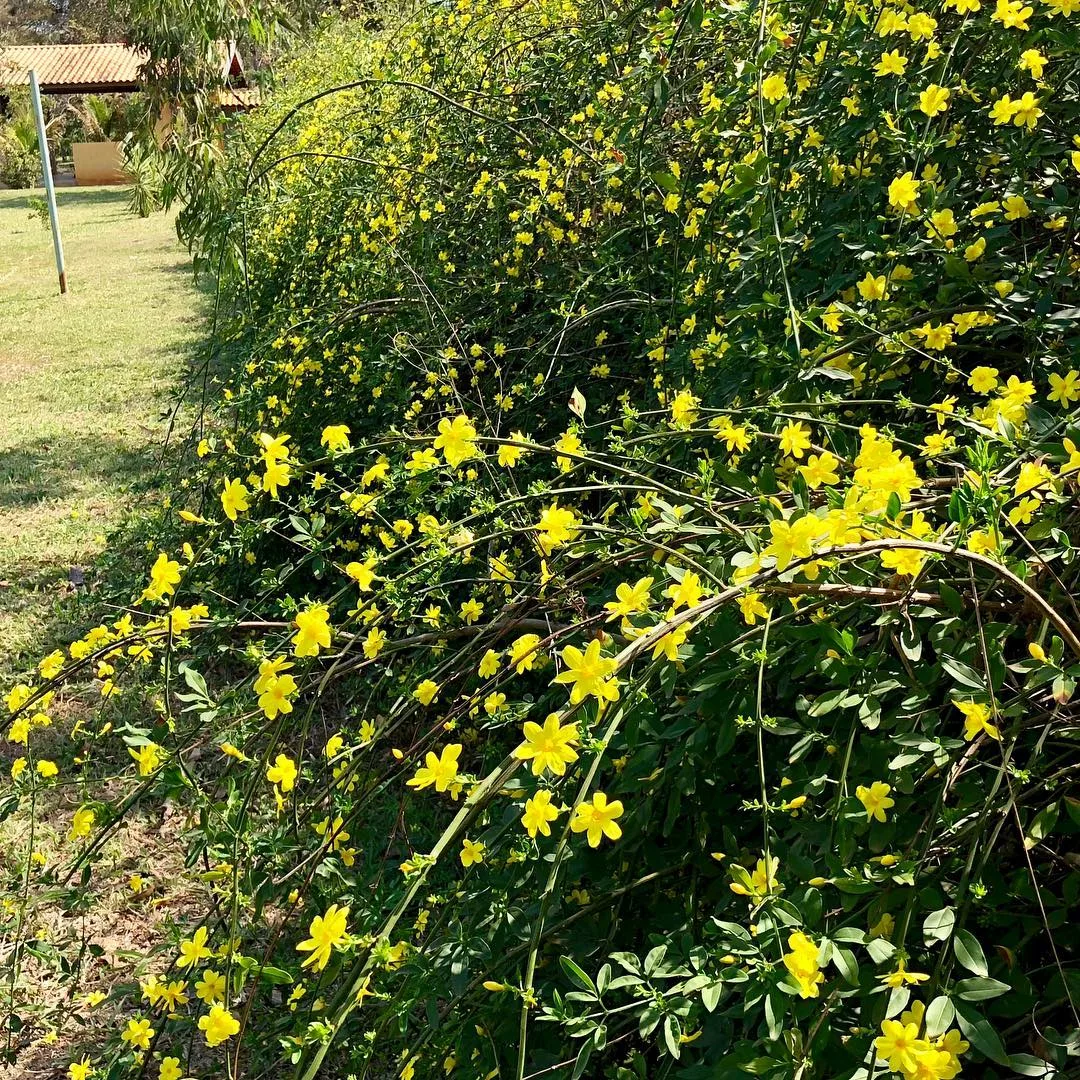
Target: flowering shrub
{"points": [[619, 618]]}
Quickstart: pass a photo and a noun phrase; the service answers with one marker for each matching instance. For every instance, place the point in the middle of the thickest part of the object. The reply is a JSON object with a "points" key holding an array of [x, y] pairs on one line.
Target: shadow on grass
{"points": [[35, 470]]}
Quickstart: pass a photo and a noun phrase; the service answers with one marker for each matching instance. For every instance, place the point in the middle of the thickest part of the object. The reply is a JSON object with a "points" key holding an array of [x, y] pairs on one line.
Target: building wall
{"points": [[98, 163]]}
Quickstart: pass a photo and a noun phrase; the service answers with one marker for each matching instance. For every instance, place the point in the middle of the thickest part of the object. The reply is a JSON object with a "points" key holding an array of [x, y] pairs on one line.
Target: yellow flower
{"points": [[904, 193], [509, 454], [489, 664], [549, 747], [569, 446], [421, 461], [630, 599], [278, 474], [164, 577], [138, 1034], [1033, 61], [794, 439], [820, 469], [904, 562], [374, 642], [312, 630], [1012, 13], [684, 409], [891, 63], [234, 498], [902, 977], [472, 853], [920, 25], [363, 573], [983, 379], [976, 250], [597, 819], [791, 541], [589, 674], [194, 949], [774, 88], [687, 591], [218, 1025], [752, 608], [523, 652], [1073, 463], [335, 438], [1015, 207], [802, 963], [873, 288], [1065, 389], [977, 719], [558, 525], [148, 757], [934, 99], [327, 932], [275, 696], [79, 1070], [898, 1044], [668, 644], [441, 771], [875, 799], [1026, 111], [211, 987], [170, 1069], [539, 813], [457, 440], [283, 772], [426, 692], [82, 822]]}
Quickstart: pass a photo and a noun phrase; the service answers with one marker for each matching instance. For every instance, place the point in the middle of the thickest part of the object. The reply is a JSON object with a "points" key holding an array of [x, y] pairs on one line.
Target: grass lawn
{"points": [[84, 381]]}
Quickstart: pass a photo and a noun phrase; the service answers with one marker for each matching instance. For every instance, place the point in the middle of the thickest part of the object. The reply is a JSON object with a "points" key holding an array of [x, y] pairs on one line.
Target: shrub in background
{"points": [[618, 619]]}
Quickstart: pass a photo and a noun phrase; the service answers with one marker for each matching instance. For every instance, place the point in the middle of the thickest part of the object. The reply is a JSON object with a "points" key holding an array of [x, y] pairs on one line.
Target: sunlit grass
{"points": [[84, 381]]}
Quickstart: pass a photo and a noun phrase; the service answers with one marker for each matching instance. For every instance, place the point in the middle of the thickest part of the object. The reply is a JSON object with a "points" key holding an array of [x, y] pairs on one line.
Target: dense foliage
{"points": [[619, 619]]}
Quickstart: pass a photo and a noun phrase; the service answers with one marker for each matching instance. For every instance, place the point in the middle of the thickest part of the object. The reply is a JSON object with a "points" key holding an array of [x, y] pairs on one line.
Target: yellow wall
{"points": [[98, 163]]}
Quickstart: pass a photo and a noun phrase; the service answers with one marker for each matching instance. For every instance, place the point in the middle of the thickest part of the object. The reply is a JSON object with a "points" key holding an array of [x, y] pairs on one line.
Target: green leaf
{"points": [[1042, 826], [1029, 1065], [576, 975], [911, 642], [710, 995], [899, 997], [939, 1015], [951, 598], [938, 925], [977, 1030], [672, 1032], [654, 959], [582, 1061], [967, 677], [847, 965], [969, 952], [275, 975], [980, 989], [775, 1008]]}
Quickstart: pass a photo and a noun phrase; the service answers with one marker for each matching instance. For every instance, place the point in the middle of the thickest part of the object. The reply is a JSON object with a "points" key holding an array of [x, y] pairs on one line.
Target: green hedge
{"points": [[629, 570]]}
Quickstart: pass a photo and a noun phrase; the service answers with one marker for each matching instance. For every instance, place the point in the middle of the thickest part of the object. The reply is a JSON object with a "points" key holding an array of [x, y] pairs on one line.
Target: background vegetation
{"points": [[619, 617]]}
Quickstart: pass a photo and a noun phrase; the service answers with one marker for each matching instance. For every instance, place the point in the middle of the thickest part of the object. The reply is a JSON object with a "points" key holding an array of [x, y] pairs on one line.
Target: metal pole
{"points": [[50, 191]]}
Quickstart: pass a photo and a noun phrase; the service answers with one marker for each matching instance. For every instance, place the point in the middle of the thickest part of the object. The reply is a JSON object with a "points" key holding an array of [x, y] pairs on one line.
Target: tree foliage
{"points": [[619, 616]]}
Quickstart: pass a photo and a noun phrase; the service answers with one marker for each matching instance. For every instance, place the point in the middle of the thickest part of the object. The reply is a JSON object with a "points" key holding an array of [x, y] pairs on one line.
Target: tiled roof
{"points": [[237, 98], [93, 67], [105, 66]]}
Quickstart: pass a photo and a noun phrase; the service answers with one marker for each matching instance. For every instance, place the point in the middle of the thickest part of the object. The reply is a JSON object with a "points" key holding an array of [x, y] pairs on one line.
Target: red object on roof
{"points": [[110, 67]]}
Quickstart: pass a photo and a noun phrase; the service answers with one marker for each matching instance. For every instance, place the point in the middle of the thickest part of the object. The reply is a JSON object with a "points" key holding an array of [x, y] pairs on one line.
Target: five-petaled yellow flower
{"points": [[875, 799], [328, 932], [589, 674], [597, 819], [549, 747]]}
